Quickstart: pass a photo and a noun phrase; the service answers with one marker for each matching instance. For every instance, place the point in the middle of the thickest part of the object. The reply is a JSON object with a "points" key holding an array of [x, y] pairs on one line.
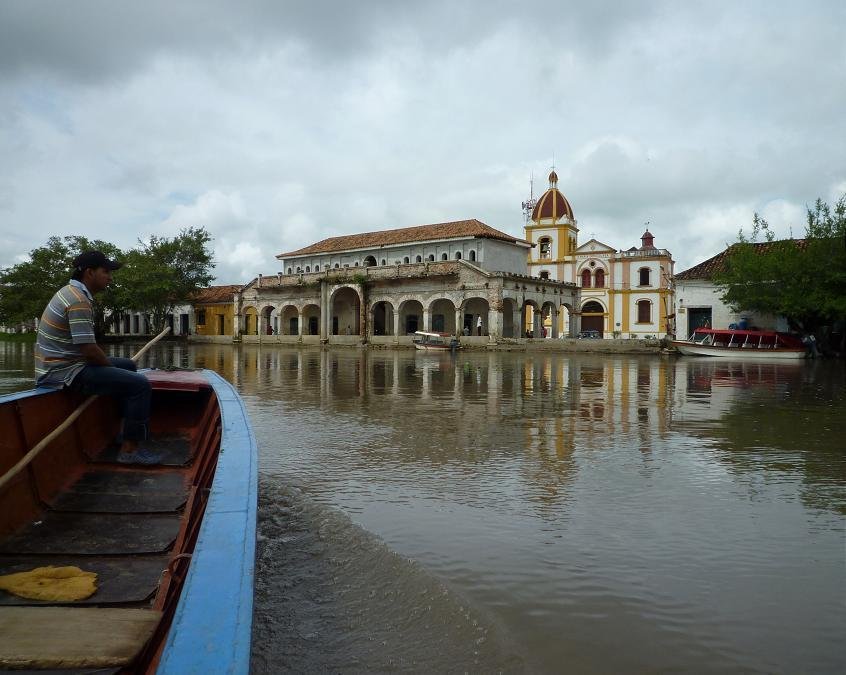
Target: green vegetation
{"points": [[803, 280], [157, 275], [17, 337]]}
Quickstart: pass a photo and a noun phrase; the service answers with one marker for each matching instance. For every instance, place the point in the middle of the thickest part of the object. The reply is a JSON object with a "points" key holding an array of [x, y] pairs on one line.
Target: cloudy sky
{"points": [[275, 124]]}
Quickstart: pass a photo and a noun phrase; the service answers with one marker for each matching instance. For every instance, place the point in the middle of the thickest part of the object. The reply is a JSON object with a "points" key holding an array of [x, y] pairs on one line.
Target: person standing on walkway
{"points": [[67, 354], [479, 325]]}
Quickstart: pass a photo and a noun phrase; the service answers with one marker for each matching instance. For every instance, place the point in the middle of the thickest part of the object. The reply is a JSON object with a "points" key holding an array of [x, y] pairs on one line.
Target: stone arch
{"points": [[472, 255], [549, 319], [289, 320], [411, 316], [431, 257], [267, 314], [370, 261], [471, 310], [442, 316], [444, 256], [382, 318], [458, 255], [419, 259], [406, 260], [311, 320], [593, 316], [530, 315], [345, 305]]}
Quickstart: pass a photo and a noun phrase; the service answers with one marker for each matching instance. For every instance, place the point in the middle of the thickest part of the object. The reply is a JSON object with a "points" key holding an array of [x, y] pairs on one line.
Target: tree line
{"points": [[157, 274], [803, 280]]}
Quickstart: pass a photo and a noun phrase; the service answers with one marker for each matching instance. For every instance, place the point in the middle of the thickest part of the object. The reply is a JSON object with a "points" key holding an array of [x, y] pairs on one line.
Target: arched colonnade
{"points": [[454, 312]]}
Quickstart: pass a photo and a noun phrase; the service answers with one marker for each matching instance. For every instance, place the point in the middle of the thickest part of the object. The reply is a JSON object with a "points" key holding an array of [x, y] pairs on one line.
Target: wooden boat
{"points": [[434, 342], [741, 344], [173, 545]]}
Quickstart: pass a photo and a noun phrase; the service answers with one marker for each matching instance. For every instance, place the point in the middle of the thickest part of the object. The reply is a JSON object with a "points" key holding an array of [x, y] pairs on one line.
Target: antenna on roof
{"points": [[529, 205]]}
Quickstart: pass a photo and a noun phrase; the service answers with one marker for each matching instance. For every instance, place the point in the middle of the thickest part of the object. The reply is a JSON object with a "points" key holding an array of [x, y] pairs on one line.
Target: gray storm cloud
{"points": [[278, 124]]}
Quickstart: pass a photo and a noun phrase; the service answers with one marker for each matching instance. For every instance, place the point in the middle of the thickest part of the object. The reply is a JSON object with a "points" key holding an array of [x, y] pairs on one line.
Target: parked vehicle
{"points": [[590, 335]]}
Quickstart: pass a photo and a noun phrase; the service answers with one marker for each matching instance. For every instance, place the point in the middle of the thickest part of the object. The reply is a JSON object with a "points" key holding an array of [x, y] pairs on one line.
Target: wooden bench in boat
{"points": [[79, 637]]}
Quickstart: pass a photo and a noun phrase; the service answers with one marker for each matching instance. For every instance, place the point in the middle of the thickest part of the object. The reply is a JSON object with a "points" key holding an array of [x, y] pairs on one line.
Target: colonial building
{"points": [[699, 303], [623, 293], [462, 278], [214, 312]]}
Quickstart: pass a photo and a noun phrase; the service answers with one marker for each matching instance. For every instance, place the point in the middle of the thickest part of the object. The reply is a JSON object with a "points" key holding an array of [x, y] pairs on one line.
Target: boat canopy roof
{"points": [[783, 338], [732, 331], [427, 334]]}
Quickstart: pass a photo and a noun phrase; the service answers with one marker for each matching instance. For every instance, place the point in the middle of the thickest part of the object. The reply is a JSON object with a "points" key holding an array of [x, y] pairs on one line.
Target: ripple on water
{"points": [[331, 597]]}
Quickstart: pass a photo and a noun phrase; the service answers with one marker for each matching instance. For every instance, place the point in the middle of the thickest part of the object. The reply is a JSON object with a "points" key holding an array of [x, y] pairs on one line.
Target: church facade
{"points": [[622, 293], [462, 278]]}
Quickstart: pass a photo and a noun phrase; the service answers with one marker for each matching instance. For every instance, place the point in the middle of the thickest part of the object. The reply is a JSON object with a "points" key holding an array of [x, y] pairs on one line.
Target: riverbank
{"points": [[467, 343], [17, 337]]}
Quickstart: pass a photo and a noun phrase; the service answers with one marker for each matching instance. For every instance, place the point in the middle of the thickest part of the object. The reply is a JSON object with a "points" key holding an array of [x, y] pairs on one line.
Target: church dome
{"points": [[552, 204]]}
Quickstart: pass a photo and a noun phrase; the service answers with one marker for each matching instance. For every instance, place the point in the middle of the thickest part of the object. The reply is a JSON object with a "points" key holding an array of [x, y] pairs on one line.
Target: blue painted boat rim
{"points": [[212, 626]]}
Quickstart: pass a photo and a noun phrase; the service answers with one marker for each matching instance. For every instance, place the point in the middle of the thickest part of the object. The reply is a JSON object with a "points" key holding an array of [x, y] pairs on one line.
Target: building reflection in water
{"points": [[540, 416], [535, 410]]}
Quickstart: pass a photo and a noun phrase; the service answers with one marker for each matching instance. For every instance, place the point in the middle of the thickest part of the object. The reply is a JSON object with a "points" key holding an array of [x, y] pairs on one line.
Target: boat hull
{"points": [[432, 348], [173, 546], [738, 353]]}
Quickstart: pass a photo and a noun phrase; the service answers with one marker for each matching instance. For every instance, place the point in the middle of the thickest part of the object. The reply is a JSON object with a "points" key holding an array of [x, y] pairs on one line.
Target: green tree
{"points": [[803, 280], [26, 288], [162, 273]]}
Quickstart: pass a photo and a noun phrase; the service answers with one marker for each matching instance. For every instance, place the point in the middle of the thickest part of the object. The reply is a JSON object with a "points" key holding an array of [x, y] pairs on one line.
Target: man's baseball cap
{"points": [[94, 259]]}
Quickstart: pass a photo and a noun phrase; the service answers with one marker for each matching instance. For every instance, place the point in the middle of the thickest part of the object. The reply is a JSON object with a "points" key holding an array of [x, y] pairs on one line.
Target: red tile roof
{"points": [[216, 294], [405, 235], [708, 268]]}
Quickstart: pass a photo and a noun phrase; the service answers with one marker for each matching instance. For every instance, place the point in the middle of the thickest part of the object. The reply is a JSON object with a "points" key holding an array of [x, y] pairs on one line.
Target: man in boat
{"points": [[67, 354]]}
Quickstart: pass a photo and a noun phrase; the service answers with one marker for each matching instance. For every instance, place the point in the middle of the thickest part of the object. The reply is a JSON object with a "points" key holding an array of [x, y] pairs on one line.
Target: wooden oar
{"points": [[44, 442]]}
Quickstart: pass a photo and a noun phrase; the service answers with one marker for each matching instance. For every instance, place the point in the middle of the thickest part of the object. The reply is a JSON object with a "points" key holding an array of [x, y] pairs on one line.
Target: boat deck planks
{"points": [[80, 637], [174, 451], [121, 580], [127, 491], [95, 534]]}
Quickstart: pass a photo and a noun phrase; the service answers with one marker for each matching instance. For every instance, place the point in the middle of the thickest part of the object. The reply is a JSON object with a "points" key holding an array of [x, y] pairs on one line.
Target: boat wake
{"points": [[331, 597]]}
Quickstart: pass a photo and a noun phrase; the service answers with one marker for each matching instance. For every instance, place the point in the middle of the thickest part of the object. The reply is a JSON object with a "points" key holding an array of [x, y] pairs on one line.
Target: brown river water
{"points": [[538, 512]]}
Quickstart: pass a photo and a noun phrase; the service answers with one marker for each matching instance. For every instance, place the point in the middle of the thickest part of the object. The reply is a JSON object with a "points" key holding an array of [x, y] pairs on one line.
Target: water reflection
{"points": [[613, 513]]}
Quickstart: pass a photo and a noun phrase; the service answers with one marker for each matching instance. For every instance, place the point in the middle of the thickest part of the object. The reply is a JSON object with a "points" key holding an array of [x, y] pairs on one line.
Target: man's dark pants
{"points": [[128, 386]]}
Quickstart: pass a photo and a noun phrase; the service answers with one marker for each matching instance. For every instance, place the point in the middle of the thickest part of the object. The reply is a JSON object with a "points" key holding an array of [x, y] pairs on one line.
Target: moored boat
{"points": [[426, 341], [741, 344], [172, 545]]}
